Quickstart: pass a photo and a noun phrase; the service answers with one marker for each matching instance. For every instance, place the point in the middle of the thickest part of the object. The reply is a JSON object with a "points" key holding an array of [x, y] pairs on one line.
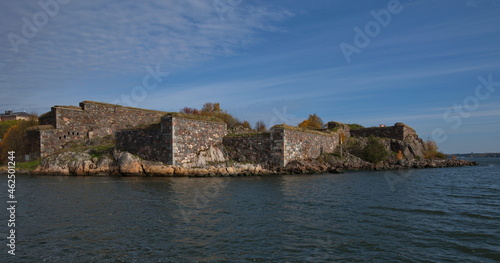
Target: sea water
{"points": [[421, 215]]}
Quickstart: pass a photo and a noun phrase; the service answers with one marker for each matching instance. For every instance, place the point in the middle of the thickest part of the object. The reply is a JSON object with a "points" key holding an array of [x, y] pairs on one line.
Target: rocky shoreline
{"points": [[125, 164], [121, 163], [353, 163]]}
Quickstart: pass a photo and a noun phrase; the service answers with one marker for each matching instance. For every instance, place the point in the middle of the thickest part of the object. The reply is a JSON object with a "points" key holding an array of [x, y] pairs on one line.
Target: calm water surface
{"points": [[430, 215]]}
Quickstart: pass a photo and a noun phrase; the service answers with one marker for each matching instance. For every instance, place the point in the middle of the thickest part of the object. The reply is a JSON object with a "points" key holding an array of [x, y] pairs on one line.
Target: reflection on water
{"points": [[435, 215]]}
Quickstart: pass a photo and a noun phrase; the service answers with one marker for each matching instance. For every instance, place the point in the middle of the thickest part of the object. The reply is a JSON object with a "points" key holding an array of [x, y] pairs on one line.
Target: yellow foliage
{"points": [[313, 122], [431, 151], [305, 124], [15, 139], [400, 155]]}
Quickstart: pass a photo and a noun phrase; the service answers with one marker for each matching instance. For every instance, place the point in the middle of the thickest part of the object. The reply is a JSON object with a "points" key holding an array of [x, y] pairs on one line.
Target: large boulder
{"points": [[211, 155], [410, 147], [129, 164]]}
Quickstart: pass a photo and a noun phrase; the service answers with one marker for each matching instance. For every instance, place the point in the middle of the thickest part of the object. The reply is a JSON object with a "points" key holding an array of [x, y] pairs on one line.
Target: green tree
{"points": [[374, 151], [5, 125]]}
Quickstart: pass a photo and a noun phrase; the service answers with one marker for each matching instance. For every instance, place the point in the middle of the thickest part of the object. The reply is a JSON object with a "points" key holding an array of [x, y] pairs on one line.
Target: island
{"points": [[103, 139]]}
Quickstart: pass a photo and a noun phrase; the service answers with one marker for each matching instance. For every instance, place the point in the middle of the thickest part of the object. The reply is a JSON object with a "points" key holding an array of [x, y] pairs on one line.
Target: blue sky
{"points": [[420, 63]]}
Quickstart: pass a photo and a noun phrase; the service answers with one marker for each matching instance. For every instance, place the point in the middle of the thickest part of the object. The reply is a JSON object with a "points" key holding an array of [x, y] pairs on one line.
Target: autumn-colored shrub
{"points": [[431, 151], [188, 110], [312, 122], [399, 155], [5, 125], [213, 109], [16, 139], [246, 125], [260, 126]]}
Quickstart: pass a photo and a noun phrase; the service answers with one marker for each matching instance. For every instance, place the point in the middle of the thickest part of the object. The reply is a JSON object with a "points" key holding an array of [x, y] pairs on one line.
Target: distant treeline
{"points": [[476, 155]]}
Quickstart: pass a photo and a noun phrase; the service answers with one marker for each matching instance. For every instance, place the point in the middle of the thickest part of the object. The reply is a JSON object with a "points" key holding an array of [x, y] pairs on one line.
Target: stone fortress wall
{"points": [[280, 146], [399, 131], [178, 139], [301, 145], [249, 148], [65, 124], [190, 137]]}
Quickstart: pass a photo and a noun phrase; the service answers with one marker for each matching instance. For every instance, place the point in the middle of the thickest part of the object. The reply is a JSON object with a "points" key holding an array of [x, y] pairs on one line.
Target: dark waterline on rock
{"points": [[442, 214]]}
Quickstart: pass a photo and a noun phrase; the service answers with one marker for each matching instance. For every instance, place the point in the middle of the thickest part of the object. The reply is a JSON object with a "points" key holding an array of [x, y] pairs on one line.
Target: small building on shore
{"points": [[10, 115]]}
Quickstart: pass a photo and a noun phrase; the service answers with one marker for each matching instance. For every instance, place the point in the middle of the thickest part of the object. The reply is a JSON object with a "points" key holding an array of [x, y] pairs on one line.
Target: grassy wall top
{"points": [[116, 105], [68, 107], [46, 115], [355, 126], [41, 127], [254, 134], [292, 128], [194, 117]]}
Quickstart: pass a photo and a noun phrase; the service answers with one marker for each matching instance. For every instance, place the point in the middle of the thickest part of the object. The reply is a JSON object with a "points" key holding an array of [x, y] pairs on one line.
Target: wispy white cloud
{"points": [[96, 38], [259, 58]]}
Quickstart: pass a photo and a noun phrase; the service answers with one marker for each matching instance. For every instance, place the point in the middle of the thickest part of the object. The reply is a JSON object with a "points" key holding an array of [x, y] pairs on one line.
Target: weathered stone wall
{"points": [[48, 118], [33, 144], [51, 141], [254, 148], [151, 145], [300, 145], [190, 137], [46, 142], [166, 128], [399, 131], [279, 147], [100, 119], [91, 119], [177, 141]]}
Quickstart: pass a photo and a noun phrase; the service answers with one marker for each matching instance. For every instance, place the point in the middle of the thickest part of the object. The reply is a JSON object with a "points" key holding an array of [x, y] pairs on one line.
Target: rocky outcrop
{"points": [[157, 169], [128, 164], [125, 164], [305, 166], [212, 155], [410, 147], [120, 163], [349, 163], [72, 163]]}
